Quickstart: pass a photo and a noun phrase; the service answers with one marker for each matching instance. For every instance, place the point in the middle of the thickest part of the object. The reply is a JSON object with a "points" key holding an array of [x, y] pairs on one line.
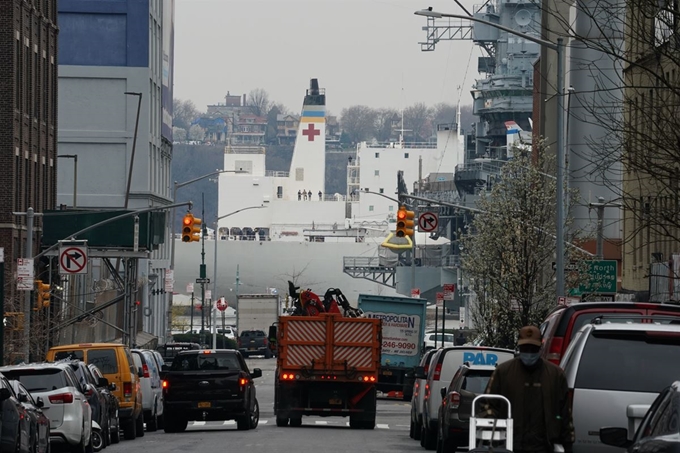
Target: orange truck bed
{"points": [[329, 345]]}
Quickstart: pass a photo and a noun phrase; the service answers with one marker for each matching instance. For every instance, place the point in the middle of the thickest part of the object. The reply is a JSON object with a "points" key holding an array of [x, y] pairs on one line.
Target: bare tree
{"points": [[196, 133], [444, 113], [384, 120], [179, 134], [358, 122], [508, 248], [258, 101], [418, 118], [184, 113]]}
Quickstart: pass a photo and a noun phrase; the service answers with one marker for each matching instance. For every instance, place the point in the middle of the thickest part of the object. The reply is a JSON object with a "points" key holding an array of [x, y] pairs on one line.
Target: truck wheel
{"points": [[243, 422], [281, 422], [174, 424], [255, 415], [268, 354], [417, 432], [296, 422]]}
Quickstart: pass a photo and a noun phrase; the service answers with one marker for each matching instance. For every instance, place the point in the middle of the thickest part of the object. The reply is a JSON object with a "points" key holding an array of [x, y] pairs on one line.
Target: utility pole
{"points": [[202, 269], [600, 205], [2, 306]]}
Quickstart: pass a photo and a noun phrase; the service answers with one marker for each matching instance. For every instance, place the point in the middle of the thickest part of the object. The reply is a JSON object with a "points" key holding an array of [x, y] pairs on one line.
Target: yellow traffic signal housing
{"points": [[191, 228], [42, 294], [405, 222]]}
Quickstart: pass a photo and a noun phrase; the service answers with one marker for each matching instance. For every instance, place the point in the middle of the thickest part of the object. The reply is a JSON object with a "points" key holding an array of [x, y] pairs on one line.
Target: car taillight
{"points": [[555, 350], [127, 389], [426, 369], [437, 371], [243, 381], [145, 370], [266, 341], [165, 385], [61, 398], [89, 392], [454, 400]]}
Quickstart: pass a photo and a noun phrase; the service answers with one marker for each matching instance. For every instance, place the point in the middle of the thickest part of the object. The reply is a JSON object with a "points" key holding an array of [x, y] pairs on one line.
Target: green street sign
{"points": [[600, 278]]}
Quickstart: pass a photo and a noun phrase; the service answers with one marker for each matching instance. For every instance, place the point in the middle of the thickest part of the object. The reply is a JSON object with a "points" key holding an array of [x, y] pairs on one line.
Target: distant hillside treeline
{"points": [[192, 161]]}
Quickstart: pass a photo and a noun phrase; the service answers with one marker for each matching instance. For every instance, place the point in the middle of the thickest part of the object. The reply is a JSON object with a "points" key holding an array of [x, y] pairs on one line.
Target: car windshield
{"points": [[629, 361], [39, 380], [198, 362], [61, 355], [440, 337]]}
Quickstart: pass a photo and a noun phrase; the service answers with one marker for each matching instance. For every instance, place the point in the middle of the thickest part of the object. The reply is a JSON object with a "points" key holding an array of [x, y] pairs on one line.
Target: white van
{"points": [[444, 364]]}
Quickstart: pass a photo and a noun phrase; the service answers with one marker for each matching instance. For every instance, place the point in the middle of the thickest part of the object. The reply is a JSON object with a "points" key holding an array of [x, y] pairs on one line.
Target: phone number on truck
{"points": [[399, 345]]}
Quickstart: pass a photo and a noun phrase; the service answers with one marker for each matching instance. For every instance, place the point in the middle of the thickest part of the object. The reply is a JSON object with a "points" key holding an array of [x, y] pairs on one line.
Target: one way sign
{"points": [[72, 260]]}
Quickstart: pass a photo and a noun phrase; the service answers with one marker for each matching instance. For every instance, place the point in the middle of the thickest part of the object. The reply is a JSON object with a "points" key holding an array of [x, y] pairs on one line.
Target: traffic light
{"points": [[42, 294], [191, 228], [405, 222]]}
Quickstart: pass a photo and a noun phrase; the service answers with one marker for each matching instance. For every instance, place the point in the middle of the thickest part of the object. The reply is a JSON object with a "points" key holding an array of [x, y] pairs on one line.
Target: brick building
{"points": [[28, 113]]}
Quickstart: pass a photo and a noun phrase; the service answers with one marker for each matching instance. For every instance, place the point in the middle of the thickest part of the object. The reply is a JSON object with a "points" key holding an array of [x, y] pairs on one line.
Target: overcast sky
{"points": [[362, 52]]}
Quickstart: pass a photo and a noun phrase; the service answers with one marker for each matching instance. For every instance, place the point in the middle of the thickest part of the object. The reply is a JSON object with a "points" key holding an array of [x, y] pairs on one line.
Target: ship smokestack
{"points": [[314, 87]]}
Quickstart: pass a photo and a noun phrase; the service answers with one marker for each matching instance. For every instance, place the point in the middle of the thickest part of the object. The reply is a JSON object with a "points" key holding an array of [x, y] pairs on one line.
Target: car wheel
{"points": [[255, 415], [115, 430], [140, 424], [129, 431], [296, 422], [152, 423], [412, 430], [417, 434], [97, 440]]}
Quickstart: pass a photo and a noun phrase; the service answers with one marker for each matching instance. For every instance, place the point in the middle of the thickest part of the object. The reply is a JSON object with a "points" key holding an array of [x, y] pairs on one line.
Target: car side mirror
{"points": [[39, 402], [4, 394], [103, 382], [419, 372], [443, 391], [256, 373], [616, 437], [272, 334], [112, 386]]}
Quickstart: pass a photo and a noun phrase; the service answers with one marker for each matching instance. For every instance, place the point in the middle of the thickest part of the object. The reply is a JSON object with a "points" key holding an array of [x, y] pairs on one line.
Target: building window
{"points": [[405, 155], [382, 190], [377, 155], [377, 173], [370, 208]]}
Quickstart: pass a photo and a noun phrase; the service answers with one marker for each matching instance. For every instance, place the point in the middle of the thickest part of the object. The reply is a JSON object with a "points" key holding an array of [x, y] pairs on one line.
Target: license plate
{"points": [[335, 401], [203, 404], [387, 373], [252, 349]]}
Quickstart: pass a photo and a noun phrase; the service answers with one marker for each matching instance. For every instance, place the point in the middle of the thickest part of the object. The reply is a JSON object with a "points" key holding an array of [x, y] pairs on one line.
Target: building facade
{"points": [[651, 155], [28, 144], [115, 90]]}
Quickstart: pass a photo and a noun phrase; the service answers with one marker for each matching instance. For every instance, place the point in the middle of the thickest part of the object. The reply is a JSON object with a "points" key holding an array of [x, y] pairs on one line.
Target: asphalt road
{"points": [[317, 434]]}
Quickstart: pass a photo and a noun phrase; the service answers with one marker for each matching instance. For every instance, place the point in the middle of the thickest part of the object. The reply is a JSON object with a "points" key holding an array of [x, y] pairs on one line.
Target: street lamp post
{"points": [[214, 289], [178, 185], [134, 145], [559, 48]]}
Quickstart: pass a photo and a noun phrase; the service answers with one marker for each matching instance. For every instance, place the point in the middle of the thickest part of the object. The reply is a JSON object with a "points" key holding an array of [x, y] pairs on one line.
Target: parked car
{"points": [[13, 433], [659, 431], [69, 412], [419, 397], [106, 389], [443, 366], [152, 393], [98, 401], [456, 408], [439, 340], [170, 350], [39, 424], [614, 372], [564, 321], [227, 331], [116, 363]]}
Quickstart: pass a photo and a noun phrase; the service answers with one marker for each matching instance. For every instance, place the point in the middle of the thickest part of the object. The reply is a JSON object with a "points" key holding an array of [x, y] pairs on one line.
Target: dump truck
{"points": [[403, 329], [327, 365]]}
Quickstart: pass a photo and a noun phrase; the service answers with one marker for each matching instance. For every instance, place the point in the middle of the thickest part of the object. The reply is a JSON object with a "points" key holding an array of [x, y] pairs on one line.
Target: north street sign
{"points": [[601, 277]]}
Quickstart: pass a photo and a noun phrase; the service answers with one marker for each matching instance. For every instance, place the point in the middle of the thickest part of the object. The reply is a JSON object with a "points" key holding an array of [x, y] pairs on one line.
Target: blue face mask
{"points": [[529, 358]]}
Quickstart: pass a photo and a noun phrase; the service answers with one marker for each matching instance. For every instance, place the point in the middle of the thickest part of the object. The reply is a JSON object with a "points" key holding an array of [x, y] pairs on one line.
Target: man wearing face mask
{"points": [[538, 393]]}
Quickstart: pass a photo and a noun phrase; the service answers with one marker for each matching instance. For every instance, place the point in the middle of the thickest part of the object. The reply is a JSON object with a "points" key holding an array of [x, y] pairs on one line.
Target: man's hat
{"points": [[529, 335]]}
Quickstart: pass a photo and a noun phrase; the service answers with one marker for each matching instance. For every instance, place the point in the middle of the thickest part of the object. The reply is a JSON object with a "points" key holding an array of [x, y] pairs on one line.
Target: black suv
{"points": [[456, 408], [254, 342]]}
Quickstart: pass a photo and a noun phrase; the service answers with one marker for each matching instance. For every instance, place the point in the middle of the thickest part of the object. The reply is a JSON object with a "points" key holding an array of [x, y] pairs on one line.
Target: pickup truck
{"points": [[209, 385], [254, 342]]}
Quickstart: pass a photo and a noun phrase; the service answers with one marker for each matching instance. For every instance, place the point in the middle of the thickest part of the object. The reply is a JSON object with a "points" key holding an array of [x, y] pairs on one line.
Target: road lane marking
{"points": [[319, 422], [201, 423], [382, 426], [229, 422]]}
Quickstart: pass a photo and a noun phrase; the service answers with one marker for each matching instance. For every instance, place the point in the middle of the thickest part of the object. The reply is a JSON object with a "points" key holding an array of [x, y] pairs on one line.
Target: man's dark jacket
{"points": [[509, 380]]}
